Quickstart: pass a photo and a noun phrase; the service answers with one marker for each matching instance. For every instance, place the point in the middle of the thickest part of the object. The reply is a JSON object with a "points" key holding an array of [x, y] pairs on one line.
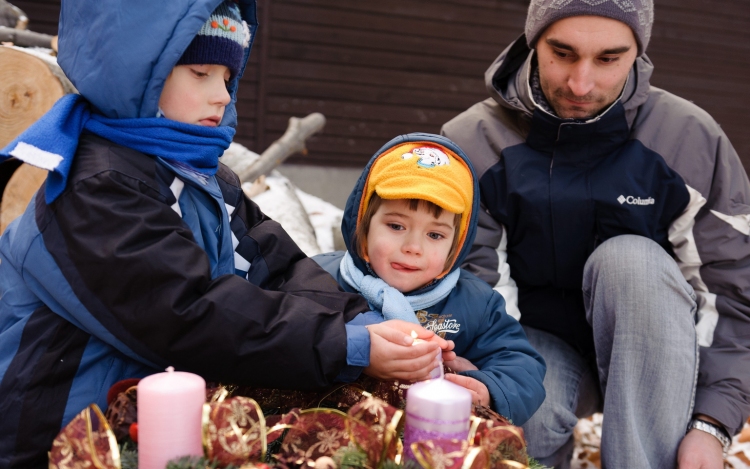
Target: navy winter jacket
{"points": [[653, 165], [139, 265]]}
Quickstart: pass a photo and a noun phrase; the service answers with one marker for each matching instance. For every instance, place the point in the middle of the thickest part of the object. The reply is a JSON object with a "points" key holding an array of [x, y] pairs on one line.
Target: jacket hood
{"points": [[355, 200], [507, 80], [118, 54]]}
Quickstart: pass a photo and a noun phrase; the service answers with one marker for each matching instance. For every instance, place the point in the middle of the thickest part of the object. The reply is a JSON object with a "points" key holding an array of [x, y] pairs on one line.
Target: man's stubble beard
{"points": [[566, 111]]}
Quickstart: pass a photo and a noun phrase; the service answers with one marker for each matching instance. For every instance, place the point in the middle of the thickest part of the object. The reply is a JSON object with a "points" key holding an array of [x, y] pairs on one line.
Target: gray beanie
{"points": [[638, 14]]}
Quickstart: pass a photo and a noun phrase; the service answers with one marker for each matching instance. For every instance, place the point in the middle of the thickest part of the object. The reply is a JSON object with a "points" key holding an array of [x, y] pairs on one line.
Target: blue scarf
{"points": [[51, 142], [389, 301]]}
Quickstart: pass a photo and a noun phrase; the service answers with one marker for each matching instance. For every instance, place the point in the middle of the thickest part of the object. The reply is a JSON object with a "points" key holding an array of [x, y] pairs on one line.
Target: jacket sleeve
{"points": [[488, 260], [509, 366], [711, 241], [139, 272]]}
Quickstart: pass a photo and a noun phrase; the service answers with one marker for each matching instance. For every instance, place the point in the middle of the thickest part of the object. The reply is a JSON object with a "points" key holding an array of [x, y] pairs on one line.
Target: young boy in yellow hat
{"points": [[409, 222]]}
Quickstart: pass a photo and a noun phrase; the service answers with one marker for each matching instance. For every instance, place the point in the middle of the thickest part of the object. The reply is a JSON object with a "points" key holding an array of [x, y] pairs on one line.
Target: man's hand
{"points": [[480, 395], [392, 355], [699, 450]]}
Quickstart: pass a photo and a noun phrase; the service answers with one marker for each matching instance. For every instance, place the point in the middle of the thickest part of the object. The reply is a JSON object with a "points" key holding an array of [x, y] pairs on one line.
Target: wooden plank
{"points": [[492, 14], [290, 87], [340, 127], [365, 41], [248, 90], [719, 8], [353, 56], [246, 129], [374, 77], [264, 44], [43, 15], [702, 38], [367, 111], [386, 24]]}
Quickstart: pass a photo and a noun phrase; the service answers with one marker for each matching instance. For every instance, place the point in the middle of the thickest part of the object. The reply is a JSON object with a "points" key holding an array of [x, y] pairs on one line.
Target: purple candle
{"points": [[436, 409]]}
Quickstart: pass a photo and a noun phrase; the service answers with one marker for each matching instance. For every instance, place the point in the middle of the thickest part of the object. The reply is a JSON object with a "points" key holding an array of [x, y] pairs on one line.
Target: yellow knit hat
{"points": [[426, 171]]}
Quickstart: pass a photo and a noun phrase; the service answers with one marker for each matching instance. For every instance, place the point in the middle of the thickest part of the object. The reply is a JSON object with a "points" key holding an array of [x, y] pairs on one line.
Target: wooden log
{"points": [[22, 186], [24, 38], [293, 141], [30, 83], [12, 16]]}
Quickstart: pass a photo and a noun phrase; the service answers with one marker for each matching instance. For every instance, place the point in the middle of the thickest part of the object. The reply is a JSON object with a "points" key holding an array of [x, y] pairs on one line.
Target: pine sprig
{"points": [[533, 464], [195, 462], [350, 457], [128, 455]]}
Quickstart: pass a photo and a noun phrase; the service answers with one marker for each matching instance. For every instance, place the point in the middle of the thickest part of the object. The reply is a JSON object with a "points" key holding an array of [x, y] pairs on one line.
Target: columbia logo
{"points": [[630, 200]]}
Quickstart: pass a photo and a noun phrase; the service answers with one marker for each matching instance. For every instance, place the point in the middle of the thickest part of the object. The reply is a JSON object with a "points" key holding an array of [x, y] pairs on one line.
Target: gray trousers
{"points": [[642, 312]]}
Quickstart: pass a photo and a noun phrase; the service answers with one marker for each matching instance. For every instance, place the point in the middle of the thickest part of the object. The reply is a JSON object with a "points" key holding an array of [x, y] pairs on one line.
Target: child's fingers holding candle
{"points": [[391, 360], [480, 395], [393, 331], [414, 330], [459, 364], [449, 356]]}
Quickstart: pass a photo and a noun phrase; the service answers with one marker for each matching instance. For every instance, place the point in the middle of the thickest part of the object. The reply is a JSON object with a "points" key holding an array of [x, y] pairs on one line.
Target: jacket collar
{"points": [[576, 141]]}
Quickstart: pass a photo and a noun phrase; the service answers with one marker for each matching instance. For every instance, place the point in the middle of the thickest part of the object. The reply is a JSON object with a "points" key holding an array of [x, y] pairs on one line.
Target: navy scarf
{"points": [[51, 142]]}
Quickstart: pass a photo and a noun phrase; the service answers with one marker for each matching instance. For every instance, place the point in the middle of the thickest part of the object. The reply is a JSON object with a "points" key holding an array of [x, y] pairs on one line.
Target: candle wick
{"points": [[170, 369]]}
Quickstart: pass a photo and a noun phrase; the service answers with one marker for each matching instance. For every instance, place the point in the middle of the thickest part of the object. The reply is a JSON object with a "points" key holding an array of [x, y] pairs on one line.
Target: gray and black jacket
{"points": [[653, 165]]}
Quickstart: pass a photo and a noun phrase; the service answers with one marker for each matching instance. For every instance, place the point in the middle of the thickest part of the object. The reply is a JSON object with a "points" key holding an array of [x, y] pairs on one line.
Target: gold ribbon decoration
{"points": [[374, 426], [234, 431], [316, 433], [86, 441], [450, 454]]}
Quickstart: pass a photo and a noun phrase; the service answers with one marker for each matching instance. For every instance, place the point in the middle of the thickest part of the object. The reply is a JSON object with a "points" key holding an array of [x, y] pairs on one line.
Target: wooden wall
{"points": [[379, 69]]}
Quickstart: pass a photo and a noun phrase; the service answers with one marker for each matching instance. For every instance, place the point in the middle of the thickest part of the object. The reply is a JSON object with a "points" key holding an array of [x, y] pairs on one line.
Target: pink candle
{"points": [[436, 409], [170, 408]]}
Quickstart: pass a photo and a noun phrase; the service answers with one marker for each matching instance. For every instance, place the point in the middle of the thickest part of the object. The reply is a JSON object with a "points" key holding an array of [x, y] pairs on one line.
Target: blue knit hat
{"points": [[222, 40]]}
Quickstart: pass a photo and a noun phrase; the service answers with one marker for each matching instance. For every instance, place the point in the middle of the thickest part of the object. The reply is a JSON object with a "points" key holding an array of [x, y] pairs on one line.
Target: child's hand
{"points": [[422, 333], [480, 395], [447, 346], [459, 364], [392, 355]]}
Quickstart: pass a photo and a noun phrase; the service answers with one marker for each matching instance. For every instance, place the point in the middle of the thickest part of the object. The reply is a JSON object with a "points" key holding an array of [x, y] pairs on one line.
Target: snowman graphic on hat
{"points": [[429, 157]]}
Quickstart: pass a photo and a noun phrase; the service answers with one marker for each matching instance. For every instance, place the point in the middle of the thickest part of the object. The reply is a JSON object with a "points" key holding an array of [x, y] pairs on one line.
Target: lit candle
{"points": [[436, 409], [170, 408]]}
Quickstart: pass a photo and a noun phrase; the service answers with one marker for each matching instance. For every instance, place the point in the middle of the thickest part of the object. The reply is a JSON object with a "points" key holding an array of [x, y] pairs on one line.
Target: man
{"points": [[617, 227]]}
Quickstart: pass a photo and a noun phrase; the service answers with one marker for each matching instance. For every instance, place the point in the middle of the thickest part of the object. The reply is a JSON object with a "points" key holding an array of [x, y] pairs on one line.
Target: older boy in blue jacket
{"points": [[408, 224], [141, 250]]}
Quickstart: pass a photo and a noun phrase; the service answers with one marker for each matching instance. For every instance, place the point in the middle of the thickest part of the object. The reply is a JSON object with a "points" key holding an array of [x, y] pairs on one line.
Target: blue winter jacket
{"points": [[473, 315], [139, 265]]}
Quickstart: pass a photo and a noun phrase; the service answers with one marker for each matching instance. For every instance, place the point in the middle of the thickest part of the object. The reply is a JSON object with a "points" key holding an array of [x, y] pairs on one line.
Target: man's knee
{"points": [[628, 257], [630, 264]]}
